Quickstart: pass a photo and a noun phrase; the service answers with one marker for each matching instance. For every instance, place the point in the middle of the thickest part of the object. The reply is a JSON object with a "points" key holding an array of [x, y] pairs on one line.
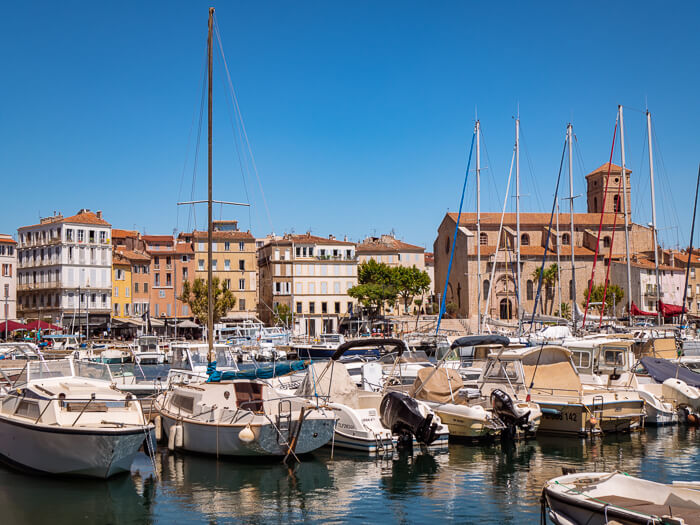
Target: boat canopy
{"points": [[550, 369], [662, 369], [375, 342], [262, 372], [330, 381], [478, 340], [440, 386]]}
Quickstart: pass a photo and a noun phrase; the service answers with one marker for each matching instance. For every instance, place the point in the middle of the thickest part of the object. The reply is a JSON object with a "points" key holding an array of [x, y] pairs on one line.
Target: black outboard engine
{"points": [[507, 412], [400, 413]]}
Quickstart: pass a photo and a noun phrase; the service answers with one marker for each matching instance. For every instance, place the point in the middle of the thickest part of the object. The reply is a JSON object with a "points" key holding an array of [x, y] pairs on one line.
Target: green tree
{"points": [[195, 295], [564, 311], [375, 286], [283, 314], [614, 295], [549, 279], [409, 282]]}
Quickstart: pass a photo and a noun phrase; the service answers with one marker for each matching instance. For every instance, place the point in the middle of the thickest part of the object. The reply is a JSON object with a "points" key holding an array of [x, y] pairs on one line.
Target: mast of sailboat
{"points": [[626, 213], [517, 221], [690, 248], [478, 226], [558, 258], [653, 223], [572, 242], [210, 293]]}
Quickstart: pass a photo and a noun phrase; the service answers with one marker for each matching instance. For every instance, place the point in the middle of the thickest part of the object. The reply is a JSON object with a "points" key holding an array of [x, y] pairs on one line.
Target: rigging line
{"points": [[600, 225], [192, 216], [239, 154], [240, 118], [189, 137], [531, 171], [665, 180], [690, 249], [454, 240], [488, 160], [549, 233], [498, 240], [616, 209]]}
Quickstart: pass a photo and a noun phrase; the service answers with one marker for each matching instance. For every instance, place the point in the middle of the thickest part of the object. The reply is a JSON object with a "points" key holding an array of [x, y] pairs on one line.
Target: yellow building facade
{"points": [[121, 286]]}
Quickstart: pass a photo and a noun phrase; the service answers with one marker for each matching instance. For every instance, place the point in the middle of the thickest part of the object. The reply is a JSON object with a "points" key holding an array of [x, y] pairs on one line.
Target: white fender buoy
{"points": [[179, 436], [175, 437], [246, 435]]}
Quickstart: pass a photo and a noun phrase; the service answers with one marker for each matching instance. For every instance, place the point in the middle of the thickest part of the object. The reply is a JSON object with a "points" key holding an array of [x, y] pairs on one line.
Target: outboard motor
{"points": [[512, 416], [401, 413]]}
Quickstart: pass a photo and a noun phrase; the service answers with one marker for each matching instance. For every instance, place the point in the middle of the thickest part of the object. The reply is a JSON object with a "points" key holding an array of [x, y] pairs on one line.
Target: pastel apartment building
{"points": [[64, 269], [8, 277]]}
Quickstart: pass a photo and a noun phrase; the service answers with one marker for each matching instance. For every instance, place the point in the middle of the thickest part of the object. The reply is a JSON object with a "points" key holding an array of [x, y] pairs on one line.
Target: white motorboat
{"points": [[65, 417], [599, 498], [147, 351], [362, 418]]}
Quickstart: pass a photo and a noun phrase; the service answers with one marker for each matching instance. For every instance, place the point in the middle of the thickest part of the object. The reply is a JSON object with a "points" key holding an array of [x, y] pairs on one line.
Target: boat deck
{"points": [[690, 514]]}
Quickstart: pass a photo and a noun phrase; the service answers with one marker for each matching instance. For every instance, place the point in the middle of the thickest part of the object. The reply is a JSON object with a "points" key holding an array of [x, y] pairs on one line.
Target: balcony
{"points": [[39, 262], [28, 287], [334, 257]]}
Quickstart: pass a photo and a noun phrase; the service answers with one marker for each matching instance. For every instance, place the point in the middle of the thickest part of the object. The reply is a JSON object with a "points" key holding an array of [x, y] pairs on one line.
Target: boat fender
{"points": [[175, 438], [593, 421], [158, 422], [246, 435]]}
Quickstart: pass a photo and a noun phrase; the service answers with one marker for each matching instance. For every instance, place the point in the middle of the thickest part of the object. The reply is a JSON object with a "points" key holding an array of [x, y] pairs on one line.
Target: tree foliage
{"points": [[380, 284], [195, 295], [283, 314], [549, 279], [614, 295]]}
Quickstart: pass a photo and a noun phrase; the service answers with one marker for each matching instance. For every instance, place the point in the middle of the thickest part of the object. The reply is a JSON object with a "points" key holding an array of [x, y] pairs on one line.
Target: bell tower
{"points": [[596, 190]]}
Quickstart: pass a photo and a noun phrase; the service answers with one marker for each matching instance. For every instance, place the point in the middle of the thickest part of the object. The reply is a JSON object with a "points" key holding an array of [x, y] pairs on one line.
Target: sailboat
{"points": [[236, 417]]}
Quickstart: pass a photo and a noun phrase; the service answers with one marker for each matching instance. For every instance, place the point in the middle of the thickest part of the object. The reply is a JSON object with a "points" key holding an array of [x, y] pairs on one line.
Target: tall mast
{"points": [[572, 241], [517, 220], [558, 258], [478, 226], [626, 212], [653, 222], [210, 293]]}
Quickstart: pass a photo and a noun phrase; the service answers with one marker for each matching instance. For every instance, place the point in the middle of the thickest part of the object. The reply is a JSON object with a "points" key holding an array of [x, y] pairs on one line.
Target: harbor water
{"points": [[466, 484]]}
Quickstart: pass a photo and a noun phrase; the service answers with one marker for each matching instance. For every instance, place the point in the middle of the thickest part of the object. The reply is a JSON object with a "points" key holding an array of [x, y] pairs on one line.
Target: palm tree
{"points": [[549, 278]]}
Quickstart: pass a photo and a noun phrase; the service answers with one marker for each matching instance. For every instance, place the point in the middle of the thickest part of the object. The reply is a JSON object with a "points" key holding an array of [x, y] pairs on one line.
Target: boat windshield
{"points": [[413, 356], [148, 344], [92, 370]]}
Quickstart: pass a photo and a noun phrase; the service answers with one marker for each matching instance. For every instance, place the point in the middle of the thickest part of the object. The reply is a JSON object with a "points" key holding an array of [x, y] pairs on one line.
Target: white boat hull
{"points": [[223, 440], [69, 451]]}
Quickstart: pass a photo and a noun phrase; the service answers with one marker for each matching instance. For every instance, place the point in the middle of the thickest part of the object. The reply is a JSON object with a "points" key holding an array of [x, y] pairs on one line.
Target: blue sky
{"points": [[359, 114]]}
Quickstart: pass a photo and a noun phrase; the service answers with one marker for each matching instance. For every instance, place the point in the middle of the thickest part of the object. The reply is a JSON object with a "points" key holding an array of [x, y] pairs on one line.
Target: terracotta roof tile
{"points": [[223, 235], [86, 217], [132, 255], [157, 238], [384, 245], [534, 219], [604, 169], [120, 234]]}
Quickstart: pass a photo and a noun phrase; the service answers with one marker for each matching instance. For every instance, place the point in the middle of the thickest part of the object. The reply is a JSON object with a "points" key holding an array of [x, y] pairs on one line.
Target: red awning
{"points": [[36, 325], [11, 326], [637, 312], [669, 310]]}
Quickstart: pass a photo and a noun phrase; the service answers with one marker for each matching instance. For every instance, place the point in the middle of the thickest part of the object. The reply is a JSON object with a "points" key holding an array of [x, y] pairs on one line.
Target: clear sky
{"points": [[359, 114]]}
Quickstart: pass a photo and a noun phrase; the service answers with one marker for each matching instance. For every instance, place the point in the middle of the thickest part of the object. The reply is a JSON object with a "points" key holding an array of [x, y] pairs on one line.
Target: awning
{"points": [[187, 324], [43, 325], [12, 326]]}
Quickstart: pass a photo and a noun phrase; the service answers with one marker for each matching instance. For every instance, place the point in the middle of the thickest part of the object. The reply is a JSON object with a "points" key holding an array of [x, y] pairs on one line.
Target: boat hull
{"points": [[463, 421], [223, 440], [69, 451], [306, 352], [575, 418]]}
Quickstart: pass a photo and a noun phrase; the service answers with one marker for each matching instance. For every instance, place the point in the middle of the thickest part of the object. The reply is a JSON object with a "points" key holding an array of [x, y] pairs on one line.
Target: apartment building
{"points": [[389, 250], [132, 249], [679, 259], [645, 294], [121, 286], [171, 263], [8, 277], [234, 261], [311, 275], [65, 269]]}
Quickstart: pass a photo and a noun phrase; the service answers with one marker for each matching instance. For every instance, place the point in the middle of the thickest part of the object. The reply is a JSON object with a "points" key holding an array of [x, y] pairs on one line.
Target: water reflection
{"points": [[488, 484]]}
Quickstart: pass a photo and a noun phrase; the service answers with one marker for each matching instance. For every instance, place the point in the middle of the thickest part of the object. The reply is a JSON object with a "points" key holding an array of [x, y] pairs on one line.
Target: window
{"points": [[483, 239], [529, 290], [184, 258], [116, 291], [227, 246], [200, 264], [157, 280], [606, 241], [241, 284], [336, 307], [336, 288], [213, 265], [126, 309], [81, 235], [336, 269], [103, 237], [241, 264], [161, 294], [69, 234], [185, 274], [227, 284], [616, 203], [692, 273], [485, 288], [200, 246], [168, 279], [227, 264], [241, 304], [241, 246], [566, 239], [278, 287], [185, 310], [324, 287], [524, 240], [126, 292], [145, 287], [581, 359], [312, 288], [91, 236], [298, 307], [136, 287], [277, 269], [312, 307], [324, 308]]}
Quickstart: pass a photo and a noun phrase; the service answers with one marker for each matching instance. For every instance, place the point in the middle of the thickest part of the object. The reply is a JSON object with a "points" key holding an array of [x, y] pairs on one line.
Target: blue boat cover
{"points": [[262, 372], [662, 369]]}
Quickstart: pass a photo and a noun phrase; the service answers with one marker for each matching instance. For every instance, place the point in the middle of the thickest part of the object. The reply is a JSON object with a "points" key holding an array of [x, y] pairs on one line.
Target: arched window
{"points": [[483, 239], [606, 241], [486, 288], [616, 203], [529, 290], [595, 204], [524, 240], [506, 309], [566, 239]]}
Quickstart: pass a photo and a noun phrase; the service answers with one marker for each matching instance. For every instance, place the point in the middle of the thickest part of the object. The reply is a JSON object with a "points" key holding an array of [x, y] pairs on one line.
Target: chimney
{"points": [[99, 214], [345, 238], [331, 237]]}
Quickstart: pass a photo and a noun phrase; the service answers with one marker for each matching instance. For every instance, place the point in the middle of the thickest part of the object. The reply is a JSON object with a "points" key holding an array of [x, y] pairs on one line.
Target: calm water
{"points": [[469, 484]]}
